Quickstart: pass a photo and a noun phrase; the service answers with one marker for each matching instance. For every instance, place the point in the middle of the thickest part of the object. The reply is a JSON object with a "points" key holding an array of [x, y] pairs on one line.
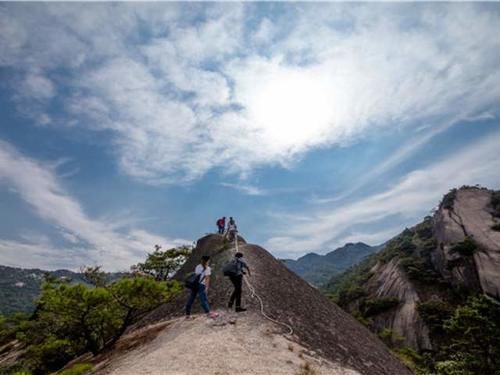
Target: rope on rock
{"points": [[256, 295]]}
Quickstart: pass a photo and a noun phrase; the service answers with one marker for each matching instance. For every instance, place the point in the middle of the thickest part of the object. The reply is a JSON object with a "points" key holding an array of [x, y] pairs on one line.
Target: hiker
{"points": [[232, 229], [221, 225], [235, 270], [199, 283]]}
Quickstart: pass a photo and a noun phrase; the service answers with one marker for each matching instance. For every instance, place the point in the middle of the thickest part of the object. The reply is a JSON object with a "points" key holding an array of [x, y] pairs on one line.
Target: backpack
{"points": [[192, 281], [231, 268]]}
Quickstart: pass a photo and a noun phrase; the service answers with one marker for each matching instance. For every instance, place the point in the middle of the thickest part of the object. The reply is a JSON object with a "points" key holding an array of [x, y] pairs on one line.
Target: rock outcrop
{"points": [[470, 216], [318, 324], [448, 257]]}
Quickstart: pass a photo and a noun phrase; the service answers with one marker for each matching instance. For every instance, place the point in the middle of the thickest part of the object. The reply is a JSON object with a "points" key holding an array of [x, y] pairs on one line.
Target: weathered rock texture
{"points": [[454, 276], [471, 216], [318, 323]]}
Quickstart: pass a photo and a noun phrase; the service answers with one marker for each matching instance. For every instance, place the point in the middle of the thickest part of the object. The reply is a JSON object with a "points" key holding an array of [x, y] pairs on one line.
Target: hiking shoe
{"points": [[189, 317], [240, 309]]}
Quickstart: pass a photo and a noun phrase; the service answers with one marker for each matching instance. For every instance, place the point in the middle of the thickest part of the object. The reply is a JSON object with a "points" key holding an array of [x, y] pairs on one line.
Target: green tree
{"points": [[72, 319], [162, 264], [475, 337]]}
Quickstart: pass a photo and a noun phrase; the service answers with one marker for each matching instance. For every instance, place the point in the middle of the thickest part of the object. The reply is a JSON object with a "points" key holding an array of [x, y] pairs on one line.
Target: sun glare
{"points": [[292, 109]]}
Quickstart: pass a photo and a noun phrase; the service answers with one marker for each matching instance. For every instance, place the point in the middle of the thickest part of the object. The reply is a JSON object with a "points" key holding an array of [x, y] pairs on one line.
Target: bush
{"points": [[378, 305], [449, 199], [417, 269], [434, 313], [474, 331], [466, 247], [78, 369], [390, 338], [73, 319], [496, 227], [409, 357], [495, 202]]}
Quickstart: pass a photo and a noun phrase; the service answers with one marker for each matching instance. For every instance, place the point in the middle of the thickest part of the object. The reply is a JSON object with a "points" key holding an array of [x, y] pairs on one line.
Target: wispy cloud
{"points": [[91, 240], [414, 196], [246, 189], [184, 90]]}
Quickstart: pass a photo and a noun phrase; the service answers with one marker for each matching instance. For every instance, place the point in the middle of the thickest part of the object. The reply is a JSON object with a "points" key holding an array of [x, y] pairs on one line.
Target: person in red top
{"points": [[221, 225]]}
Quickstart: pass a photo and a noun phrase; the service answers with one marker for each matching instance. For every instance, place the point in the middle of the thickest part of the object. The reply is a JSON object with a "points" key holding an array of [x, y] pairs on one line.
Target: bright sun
{"points": [[292, 108]]}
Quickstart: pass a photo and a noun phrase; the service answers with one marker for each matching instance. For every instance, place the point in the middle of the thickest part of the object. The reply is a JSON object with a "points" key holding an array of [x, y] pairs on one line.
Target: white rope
{"points": [[255, 295]]}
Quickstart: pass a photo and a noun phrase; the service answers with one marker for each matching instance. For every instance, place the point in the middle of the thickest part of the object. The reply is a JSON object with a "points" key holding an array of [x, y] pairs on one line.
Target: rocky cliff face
{"points": [[446, 258], [470, 216]]}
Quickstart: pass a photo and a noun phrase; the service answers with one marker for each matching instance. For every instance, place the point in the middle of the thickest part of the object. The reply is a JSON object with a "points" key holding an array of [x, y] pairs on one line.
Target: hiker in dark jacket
{"points": [[238, 266]]}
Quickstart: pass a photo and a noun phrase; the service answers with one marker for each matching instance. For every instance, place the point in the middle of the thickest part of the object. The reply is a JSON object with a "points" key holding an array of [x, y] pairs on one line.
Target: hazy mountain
{"points": [[19, 287], [318, 269]]}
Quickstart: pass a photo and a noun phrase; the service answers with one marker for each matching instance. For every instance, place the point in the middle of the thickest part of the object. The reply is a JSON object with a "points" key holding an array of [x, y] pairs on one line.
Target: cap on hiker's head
{"points": [[238, 255], [205, 258]]}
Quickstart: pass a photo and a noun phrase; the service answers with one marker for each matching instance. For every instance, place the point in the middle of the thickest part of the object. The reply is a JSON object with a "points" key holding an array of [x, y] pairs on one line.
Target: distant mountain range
{"points": [[19, 287], [319, 269]]}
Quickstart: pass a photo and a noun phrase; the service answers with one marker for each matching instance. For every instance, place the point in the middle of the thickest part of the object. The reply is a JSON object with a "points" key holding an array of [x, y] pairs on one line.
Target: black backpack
{"points": [[192, 281], [231, 268]]}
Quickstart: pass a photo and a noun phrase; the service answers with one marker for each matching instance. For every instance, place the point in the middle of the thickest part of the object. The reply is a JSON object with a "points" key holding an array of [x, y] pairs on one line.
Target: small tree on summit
{"points": [[162, 264]]}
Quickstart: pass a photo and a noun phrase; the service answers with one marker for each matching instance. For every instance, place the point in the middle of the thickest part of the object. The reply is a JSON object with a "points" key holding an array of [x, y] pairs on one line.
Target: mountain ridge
{"points": [[429, 274], [318, 269]]}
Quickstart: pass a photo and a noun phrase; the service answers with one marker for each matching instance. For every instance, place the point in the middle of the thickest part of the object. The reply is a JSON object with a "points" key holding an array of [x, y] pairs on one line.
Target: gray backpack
{"points": [[231, 268]]}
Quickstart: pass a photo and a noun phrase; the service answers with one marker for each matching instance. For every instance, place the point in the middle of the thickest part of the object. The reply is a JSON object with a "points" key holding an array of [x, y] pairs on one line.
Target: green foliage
{"points": [[495, 203], [390, 338], [77, 369], [449, 199], [71, 319], [9, 326], [417, 269], [466, 247], [475, 337], [410, 358], [434, 313], [375, 306], [162, 264], [496, 227], [452, 367], [49, 355]]}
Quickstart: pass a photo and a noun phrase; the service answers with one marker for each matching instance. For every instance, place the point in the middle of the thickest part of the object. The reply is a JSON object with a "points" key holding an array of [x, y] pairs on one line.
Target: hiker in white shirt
{"points": [[203, 271]]}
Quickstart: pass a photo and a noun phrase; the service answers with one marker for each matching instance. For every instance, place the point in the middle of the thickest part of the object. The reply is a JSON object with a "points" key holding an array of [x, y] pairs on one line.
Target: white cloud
{"points": [[188, 89], [37, 86], [244, 188], [98, 241], [414, 196]]}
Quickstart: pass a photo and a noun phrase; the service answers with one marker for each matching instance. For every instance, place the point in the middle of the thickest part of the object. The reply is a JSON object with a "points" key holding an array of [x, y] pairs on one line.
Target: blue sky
{"points": [[128, 125]]}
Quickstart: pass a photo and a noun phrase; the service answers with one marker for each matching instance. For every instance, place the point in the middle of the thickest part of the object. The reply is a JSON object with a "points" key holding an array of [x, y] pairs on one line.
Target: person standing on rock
{"points": [[235, 271], [202, 274], [232, 229], [221, 225]]}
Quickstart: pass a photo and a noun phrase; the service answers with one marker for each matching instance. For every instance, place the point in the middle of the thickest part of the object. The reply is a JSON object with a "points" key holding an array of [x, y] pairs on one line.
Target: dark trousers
{"points": [[236, 296], [221, 229], [203, 299]]}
